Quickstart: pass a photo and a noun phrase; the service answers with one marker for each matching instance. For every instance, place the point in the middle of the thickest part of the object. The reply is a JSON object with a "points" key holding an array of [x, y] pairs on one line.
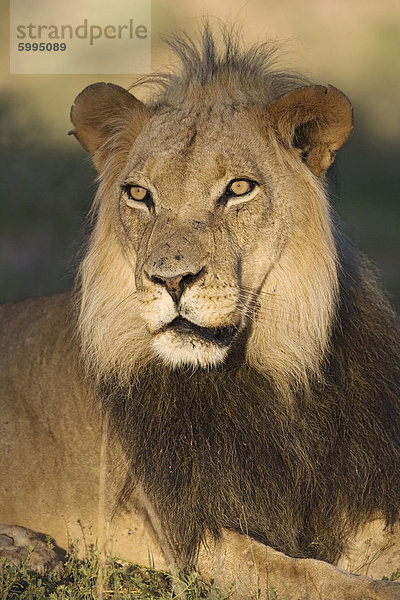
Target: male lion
{"points": [[222, 390]]}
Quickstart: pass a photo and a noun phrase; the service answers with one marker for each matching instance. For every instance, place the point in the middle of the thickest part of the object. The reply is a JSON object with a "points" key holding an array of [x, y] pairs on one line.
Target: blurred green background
{"points": [[47, 181]]}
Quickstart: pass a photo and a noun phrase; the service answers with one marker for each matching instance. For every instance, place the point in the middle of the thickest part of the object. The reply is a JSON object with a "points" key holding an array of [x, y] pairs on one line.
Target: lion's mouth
{"points": [[222, 336]]}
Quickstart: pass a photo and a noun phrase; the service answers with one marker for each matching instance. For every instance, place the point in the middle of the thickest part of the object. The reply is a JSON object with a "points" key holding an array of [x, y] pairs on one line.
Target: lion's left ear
{"points": [[315, 119]]}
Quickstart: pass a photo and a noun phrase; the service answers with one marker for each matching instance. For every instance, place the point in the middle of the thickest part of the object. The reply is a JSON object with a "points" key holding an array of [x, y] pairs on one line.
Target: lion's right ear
{"points": [[104, 111]]}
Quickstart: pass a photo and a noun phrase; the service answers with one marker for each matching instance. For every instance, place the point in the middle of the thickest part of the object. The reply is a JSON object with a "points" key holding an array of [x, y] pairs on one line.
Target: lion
{"points": [[221, 389]]}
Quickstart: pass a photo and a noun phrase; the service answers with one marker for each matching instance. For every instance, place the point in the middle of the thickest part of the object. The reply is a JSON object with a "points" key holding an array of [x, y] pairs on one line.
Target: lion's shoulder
{"points": [[42, 313], [37, 330]]}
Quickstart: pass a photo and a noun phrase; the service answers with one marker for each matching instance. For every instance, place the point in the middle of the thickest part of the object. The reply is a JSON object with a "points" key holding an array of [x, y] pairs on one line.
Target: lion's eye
{"points": [[238, 190], [240, 187], [136, 192], [137, 195]]}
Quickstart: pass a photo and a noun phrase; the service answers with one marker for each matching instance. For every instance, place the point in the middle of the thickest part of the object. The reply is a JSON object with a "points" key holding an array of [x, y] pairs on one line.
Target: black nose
{"points": [[177, 284]]}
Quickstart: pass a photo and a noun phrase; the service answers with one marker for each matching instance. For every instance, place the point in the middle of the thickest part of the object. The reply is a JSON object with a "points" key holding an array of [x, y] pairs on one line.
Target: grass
{"points": [[96, 579], [394, 576], [113, 579]]}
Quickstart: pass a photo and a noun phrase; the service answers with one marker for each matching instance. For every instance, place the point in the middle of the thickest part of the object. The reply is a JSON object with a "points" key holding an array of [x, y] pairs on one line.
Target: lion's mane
{"points": [[280, 445]]}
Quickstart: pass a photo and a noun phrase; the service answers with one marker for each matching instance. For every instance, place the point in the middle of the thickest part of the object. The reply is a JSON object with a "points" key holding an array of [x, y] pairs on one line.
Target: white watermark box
{"points": [[80, 36]]}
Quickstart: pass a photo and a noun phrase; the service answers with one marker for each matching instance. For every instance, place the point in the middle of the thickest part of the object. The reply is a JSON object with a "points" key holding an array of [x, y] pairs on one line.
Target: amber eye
{"points": [[136, 192], [240, 187], [137, 196]]}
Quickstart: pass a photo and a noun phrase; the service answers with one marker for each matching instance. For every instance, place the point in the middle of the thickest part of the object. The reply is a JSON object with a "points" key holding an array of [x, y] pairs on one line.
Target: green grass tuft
{"points": [[97, 579]]}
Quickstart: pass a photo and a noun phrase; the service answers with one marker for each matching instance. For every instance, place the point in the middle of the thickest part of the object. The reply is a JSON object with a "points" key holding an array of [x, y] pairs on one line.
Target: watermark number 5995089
{"points": [[42, 47]]}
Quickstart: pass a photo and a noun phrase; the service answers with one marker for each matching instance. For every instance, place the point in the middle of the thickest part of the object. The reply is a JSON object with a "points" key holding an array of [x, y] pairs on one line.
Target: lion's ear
{"points": [[103, 111], [315, 119]]}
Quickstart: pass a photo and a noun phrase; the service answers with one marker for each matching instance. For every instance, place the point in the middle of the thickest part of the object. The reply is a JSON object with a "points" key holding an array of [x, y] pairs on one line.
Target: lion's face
{"points": [[212, 222], [202, 222]]}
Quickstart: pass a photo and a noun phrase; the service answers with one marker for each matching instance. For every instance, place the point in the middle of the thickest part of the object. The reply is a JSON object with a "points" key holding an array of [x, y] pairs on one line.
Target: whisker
{"points": [[126, 298]]}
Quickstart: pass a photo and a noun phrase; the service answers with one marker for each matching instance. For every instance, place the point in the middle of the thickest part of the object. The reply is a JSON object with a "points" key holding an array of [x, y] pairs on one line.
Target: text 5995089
{"points": [[42, 46]]}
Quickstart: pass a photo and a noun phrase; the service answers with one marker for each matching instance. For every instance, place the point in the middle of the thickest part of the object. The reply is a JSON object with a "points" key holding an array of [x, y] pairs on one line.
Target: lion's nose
{"points": [[177, 284]]}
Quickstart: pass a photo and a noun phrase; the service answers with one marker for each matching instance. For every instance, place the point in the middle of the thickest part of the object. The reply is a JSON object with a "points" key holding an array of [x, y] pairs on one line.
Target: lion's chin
{"points": [[186, 349]]}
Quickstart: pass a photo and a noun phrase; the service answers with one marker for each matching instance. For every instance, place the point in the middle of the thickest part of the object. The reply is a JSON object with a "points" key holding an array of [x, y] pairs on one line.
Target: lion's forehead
{"points": [[192, 151]]}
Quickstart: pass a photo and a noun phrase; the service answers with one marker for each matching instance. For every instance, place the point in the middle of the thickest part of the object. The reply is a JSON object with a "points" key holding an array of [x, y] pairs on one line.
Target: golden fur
{"points": [[296, 300]]}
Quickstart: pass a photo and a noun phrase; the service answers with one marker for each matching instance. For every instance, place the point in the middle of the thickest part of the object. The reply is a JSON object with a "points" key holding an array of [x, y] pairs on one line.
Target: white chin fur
{"points": [[187, 351]]}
